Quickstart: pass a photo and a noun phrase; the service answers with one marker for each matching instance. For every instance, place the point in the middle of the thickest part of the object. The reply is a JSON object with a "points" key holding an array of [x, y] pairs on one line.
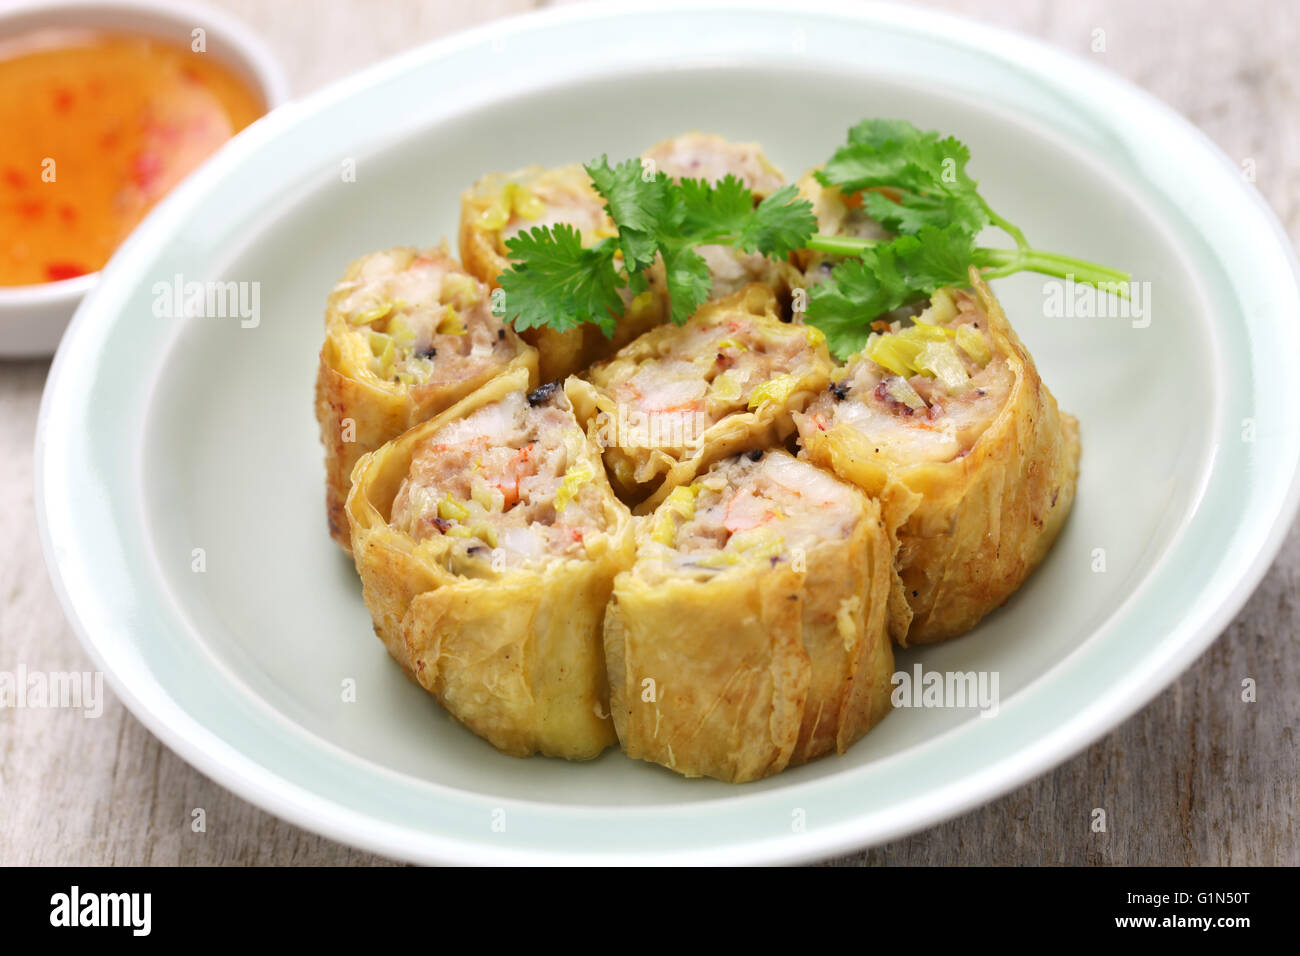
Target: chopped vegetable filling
{"points": [[770, 507], [920, 392], [513, 476], [418, 320]]}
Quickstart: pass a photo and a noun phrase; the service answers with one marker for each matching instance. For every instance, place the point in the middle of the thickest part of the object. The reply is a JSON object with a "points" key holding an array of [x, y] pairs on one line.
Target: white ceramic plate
{"points": [[160, 436]]}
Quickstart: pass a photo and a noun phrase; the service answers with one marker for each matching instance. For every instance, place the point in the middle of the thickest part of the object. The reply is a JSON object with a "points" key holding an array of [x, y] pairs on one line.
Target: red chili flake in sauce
{"points": [[31, 208], [56, 271], [126, 114], [146, 169]]}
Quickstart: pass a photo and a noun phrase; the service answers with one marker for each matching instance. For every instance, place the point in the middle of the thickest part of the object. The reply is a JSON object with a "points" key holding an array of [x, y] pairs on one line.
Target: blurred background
{"points": [[1195, 777]]}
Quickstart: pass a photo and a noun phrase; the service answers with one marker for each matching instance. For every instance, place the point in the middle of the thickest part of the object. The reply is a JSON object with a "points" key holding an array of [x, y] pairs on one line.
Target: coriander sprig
{"points": [[878, 276], [555, 282], [913, 183]]}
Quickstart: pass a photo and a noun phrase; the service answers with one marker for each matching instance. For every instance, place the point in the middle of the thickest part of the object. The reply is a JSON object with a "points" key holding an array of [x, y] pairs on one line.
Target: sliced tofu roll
{"points": [[407, 334], [712, 158], [681, 397], [946, 420], [500, 206], [751, 633], [487, 540]]}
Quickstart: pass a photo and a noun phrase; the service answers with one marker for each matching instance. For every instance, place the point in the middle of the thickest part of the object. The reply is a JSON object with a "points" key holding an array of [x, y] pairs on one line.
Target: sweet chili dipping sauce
{"points": [[94, 129]]}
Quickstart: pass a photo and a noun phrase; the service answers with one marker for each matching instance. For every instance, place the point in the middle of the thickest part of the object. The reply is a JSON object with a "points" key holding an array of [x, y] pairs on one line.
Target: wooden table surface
{"points": [[1197, 777]]}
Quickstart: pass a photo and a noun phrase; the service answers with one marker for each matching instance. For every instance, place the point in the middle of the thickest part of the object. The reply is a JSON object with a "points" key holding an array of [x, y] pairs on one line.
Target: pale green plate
{"points": [[161, 436]]}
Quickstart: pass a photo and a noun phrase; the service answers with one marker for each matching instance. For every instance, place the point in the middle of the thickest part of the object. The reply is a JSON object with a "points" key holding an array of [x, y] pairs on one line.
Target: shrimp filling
{"points": [[732, 269], [421, 320], [510, 482], [920, 392], [755, 506], [709, 370], [711, 158]]}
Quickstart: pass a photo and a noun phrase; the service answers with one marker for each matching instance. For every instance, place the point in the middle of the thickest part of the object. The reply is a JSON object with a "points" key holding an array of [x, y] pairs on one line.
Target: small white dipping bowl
{"points": [[33, 317]]}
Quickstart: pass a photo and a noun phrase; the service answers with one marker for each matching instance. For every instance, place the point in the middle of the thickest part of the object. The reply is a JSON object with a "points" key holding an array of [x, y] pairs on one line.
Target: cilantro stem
{"points": [[996, 263], [1003, 262], [841, 245], [1013, 231]]}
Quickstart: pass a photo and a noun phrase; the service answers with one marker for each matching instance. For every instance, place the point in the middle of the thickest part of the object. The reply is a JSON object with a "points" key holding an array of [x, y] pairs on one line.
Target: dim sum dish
{"points": [[690, 643], [694, 532]]}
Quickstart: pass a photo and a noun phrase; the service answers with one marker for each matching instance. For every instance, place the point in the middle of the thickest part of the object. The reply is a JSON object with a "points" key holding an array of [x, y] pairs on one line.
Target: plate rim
{"points": [[318, 813]]}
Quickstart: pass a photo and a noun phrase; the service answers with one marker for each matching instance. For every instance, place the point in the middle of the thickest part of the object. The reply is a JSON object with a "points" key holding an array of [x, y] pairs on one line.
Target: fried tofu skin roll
{"points": [[712, 158], [947, 421], [407, 334], [681, 397], [500, 206], [751, 634], [487, 541]]}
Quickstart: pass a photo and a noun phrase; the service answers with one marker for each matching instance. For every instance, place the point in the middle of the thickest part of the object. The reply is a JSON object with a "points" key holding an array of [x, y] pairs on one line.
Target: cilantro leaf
{"points": [[923, 177], [936, 257], [859, 166], [904, 270], [909, 212], [657, 217], [556, 283], [779, 225], [913, 182], [881, 132], [689, 281], [714, 210], [639, 206]]}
